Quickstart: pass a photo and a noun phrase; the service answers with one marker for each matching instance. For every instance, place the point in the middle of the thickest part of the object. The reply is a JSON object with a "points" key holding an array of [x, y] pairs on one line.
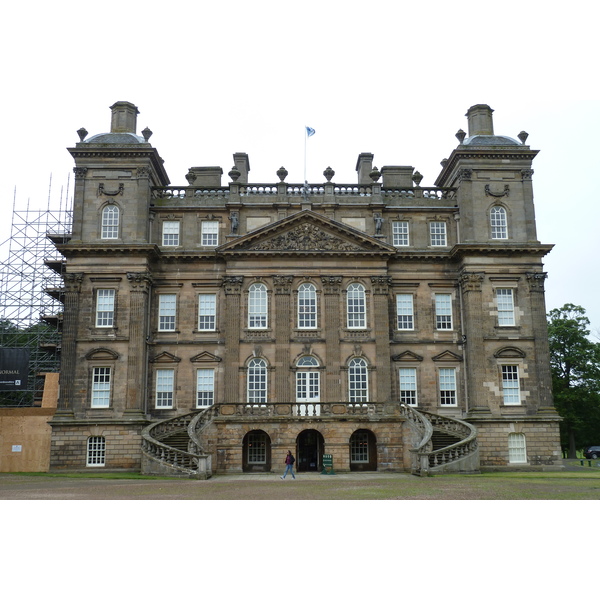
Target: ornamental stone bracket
{"points": [[102, 191], [506, 192]]}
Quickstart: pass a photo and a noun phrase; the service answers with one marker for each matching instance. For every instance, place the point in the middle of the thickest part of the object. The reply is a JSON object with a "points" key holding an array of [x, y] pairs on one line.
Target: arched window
{"points": [[498, 224], [308, 383], [356, 306], [307, 306], [110, 222], [257, 381], [96, 451], [517, 452], [257, 306], [358, 384]]}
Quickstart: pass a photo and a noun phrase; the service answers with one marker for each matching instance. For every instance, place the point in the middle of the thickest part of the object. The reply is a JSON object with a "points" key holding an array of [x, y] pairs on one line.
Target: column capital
{"points": [[282, 283], [233, 285], [73, 282], [331, 284], [536, 281], [140, 281], [470, 281], [381, 284]]}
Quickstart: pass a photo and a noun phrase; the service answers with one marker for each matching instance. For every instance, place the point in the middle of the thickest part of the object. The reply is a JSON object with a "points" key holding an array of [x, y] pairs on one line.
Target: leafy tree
{"points": [[575, 363]]}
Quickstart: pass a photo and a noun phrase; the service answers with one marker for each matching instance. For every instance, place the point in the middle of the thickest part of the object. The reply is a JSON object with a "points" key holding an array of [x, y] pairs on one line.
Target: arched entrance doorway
{"points": [[256, 452], [309, 450], [363, 451]]}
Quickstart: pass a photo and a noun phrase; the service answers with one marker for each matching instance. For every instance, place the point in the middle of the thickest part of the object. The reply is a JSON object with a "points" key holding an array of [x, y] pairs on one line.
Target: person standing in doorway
{"points": [[289, 465]]}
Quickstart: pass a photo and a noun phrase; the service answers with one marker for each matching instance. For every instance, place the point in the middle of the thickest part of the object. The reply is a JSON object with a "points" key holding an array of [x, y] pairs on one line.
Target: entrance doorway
{"points": [[310, 445]]}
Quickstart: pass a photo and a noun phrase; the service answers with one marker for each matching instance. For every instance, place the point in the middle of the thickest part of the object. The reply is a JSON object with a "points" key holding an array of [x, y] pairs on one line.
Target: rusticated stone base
{"points": [[68, 450], [542, 443]]}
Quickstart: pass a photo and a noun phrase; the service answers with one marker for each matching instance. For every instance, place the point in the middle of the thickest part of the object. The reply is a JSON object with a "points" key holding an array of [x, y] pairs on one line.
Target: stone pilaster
{"points": [[540, 333], [232, 287], [135, 396], [381, 291], [283, 288], [471, 290], [66, 399], [331, 292]]}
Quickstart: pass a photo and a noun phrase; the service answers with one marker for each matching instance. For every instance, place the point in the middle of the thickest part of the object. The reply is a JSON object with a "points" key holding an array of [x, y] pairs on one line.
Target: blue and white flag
{"points": [[310, 131]]}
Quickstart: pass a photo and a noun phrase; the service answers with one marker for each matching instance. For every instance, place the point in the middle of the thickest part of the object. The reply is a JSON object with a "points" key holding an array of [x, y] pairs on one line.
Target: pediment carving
{"points": [[308, 232]]}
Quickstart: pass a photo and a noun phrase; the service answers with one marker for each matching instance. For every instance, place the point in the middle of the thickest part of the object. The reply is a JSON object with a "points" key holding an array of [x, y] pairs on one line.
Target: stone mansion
{"points": [[211, 327]]}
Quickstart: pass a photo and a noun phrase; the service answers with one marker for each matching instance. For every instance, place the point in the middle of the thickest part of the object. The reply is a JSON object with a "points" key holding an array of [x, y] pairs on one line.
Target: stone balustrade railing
{"points": [[192, 193]]}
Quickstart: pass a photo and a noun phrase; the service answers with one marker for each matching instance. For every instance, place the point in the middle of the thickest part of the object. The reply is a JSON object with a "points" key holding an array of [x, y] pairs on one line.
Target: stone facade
{"points": [[304, 297]]}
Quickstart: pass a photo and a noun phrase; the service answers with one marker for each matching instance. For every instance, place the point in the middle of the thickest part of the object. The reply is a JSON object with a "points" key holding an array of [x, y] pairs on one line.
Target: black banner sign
{"points": [[14, 369]]}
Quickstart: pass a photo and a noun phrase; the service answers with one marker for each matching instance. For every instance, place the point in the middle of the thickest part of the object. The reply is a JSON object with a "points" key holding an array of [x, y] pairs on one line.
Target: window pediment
{"points": [[165, 357], [407, 356], [205, 357], [447, 356], [102, 354], [509, 352]]}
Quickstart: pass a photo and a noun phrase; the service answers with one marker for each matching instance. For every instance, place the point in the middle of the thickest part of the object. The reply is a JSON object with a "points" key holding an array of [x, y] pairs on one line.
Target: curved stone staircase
{"points": [[173, 446]]}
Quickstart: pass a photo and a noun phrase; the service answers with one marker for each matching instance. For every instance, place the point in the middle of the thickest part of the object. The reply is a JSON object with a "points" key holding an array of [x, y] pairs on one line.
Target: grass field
{"points": [[577, 483]]}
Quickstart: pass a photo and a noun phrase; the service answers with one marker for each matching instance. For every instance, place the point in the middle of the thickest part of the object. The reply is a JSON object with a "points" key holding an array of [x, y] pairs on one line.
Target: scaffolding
{"points": [[31, 291]]}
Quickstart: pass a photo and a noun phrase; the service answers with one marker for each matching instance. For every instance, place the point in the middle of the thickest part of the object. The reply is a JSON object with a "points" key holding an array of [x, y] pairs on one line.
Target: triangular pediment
{"points": [[407, 356], [307, 232], [165, 357], [447, 356], [205, 357]]}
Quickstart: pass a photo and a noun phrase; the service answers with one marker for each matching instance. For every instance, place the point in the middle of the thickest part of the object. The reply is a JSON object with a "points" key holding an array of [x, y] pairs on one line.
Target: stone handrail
{"points": [[464, 451], [188, 463]]}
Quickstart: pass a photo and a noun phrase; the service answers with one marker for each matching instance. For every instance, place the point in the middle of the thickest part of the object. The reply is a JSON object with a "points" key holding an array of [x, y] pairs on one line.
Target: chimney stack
{"points": [[124, 117], [480, 120]]}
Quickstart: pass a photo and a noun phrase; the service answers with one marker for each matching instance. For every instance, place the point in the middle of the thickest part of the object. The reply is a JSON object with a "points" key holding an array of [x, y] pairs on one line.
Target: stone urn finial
{"points": [[375, 174], [82, 133], [234, 174], [147, 133], [328, 173], [523, 137], [460, 134], [417, 178], [191, 177], [282, 173]]}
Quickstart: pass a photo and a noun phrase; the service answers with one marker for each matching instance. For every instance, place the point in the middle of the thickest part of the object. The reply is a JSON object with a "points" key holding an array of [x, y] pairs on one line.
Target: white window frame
{"points": [[257, 381], [165, 389], [209, 234], [511, 385], [358, 381], [171, 231], [96, 451], [105, 307], [359, 447], [517, 448], [356, 306], [447, 383], [110, 222], [100, 396], [505, 302], [407, 382], [257, 448], [258, 306], [207, 312], [405, 312], [307, 306], [205, 387], [167, 312], [498, 223], [443, 312], [400, 234], [438, 235]]}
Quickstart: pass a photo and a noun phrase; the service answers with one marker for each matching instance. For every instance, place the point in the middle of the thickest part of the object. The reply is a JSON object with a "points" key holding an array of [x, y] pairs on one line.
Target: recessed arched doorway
{"points": [[256, 452], [363, 451], [309, 450]]}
